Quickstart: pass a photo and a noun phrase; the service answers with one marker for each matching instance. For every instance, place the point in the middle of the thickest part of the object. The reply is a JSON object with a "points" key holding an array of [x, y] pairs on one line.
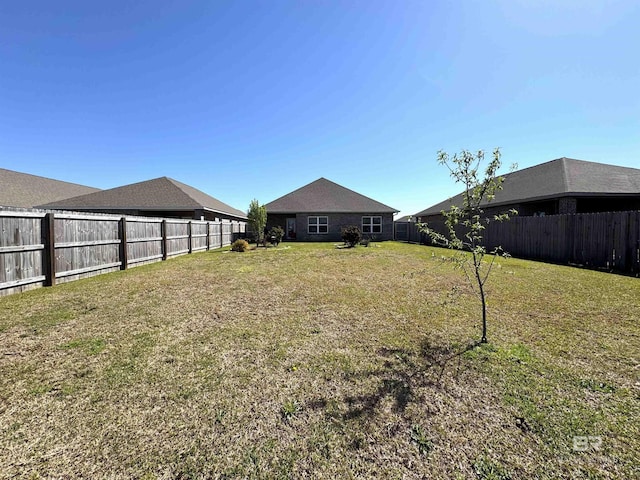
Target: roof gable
{"points": [[162, 193], [557, 178], [26, 191], [325, 196]]}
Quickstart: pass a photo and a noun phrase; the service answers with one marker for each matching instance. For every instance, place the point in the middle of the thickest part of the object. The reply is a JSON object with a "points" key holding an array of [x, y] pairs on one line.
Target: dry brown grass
{"points": [[311, 362]]}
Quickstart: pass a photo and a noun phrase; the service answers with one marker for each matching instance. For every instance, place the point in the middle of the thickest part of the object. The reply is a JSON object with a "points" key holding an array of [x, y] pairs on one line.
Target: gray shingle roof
{"points": [[558, 178], [325, 196], [26, 191], [158, 194]]}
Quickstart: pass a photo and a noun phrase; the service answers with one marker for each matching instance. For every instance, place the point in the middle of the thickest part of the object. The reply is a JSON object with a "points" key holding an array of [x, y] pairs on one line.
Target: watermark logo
{"points": [[584, 444]]}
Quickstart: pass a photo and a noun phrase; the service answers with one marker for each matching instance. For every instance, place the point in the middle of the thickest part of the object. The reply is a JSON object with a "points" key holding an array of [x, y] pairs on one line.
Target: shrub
{"points": [[351, 235], [240, 245], [276, 234]]}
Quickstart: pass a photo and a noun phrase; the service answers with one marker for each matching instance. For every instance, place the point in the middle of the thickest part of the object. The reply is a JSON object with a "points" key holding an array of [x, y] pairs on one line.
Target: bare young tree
{"points": [[465, 224]]}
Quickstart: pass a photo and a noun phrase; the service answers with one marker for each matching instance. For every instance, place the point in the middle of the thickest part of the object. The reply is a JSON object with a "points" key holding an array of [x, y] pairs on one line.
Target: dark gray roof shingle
{"points": [[557, 178], [162, 193], [325, 196], [26, 191]]}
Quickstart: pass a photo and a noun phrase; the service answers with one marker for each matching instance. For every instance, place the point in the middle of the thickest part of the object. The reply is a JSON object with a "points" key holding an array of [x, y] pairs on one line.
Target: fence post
{"points": [[208, 232], [49, 256], [221, 235], [628, 264], [122, 226], [636, 237], [163, 229], [189, 230], [634, 242]]}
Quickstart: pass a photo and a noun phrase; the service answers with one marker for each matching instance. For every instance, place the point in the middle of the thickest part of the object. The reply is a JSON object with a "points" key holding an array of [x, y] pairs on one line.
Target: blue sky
{"points": [[253, 99]]}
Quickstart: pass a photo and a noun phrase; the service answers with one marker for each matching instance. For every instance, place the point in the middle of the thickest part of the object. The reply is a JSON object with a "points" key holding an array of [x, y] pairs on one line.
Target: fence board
{"points": [[215, 235], [199, 236], [608, 241], [227, 234], [20, 250], [84, 245], [144, 240]]}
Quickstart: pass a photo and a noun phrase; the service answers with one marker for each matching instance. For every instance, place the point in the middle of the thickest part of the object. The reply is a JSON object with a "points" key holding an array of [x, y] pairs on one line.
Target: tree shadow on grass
{"points": [[402, 373]]}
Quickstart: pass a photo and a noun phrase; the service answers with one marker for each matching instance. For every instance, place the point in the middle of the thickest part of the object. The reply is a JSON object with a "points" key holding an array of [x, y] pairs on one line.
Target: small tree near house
{"points": [[480, 188], [257, 218]]}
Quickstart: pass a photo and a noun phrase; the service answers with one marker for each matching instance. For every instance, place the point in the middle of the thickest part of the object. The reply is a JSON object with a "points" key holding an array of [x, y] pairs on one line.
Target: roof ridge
{"points": [[565, 173], [180, 186], [532, 166], [48, 178], [188, 190], [323, 194], [300, 188]]}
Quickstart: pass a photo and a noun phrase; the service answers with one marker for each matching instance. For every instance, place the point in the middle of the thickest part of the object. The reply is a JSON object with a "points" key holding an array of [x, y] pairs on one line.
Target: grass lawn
{"points": [[310, 361]]}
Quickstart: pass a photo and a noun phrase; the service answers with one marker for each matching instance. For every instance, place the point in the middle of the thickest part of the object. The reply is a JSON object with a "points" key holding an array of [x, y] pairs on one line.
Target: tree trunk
{"points": [[484, 315], [484, 303]]}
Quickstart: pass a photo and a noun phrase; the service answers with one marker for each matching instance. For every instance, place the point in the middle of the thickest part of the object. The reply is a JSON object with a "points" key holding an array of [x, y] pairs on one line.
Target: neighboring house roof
{"points": [[325, 196], [162, 194], [26, 191], [406, 219], [558, 178]]}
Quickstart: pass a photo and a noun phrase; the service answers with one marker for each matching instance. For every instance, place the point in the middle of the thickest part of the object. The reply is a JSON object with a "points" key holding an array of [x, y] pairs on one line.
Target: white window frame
{"points": [[313, 223], [369, 226]]}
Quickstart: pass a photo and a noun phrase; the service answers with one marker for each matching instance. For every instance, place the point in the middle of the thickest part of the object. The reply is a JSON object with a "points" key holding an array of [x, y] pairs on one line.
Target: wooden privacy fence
{"points": [[39, 248], [609, 240]]}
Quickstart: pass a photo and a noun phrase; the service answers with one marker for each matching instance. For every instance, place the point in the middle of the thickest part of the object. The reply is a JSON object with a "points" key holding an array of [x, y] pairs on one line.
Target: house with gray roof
{"points": [[318, 211], [564, 185], [160, 197], [24, 190]]}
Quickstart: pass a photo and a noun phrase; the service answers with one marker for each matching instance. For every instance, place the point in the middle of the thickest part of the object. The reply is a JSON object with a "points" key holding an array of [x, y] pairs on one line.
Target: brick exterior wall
{"points": [[336, 222]]}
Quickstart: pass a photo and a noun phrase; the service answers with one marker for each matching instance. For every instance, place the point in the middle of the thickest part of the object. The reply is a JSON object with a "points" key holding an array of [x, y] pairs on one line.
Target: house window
{"points": [[372, 224], [318, 224]]}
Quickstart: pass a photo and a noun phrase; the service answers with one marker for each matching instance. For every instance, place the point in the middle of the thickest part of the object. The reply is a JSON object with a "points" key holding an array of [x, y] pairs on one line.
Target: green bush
{"points": [[351, 235], [275, 235], [240, 245]]}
